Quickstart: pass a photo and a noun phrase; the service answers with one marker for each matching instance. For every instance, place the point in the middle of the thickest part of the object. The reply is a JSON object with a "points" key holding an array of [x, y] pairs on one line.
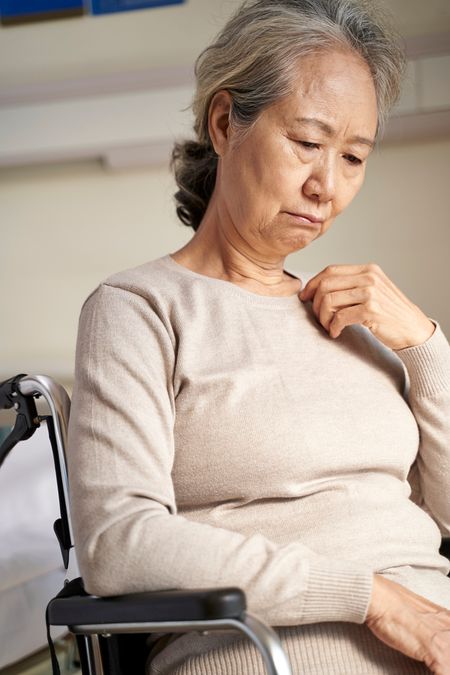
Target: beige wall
{"points": [[174, 35], [64, 228]]}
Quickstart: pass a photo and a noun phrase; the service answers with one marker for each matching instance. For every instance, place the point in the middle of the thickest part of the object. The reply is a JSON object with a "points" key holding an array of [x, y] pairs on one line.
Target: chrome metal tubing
{"points": [[98, 661], [264, 637], [268, 643], [59, 403], [90, 660]]}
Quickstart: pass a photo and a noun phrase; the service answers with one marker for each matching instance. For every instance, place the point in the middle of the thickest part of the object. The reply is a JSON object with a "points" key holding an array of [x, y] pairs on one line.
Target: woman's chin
{"points": [[297, 241]]}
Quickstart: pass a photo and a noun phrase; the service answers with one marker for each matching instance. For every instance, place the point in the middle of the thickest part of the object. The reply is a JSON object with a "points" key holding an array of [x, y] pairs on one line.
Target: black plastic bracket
{"points": [[27, 420], [61, 525]]}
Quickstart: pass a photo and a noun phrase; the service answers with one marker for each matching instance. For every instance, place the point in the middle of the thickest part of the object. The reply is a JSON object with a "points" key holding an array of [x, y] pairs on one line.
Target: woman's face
{"points": [[303, 161]]}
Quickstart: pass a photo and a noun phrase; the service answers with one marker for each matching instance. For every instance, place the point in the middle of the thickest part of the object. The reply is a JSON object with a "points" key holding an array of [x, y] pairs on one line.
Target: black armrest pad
{"points": [[445, 547], [74, 607]]}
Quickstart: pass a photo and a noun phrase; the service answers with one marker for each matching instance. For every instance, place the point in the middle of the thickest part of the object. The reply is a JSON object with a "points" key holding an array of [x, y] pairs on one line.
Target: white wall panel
{"points": [[90, 127]]}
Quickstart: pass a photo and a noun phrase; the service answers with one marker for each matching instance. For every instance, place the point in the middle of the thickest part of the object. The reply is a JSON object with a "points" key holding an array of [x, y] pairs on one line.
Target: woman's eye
{"points": [[308, 145], [351, 159]]}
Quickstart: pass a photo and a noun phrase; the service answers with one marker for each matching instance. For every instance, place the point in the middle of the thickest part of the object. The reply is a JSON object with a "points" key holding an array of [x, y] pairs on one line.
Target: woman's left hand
{"points": [[342, 295]]}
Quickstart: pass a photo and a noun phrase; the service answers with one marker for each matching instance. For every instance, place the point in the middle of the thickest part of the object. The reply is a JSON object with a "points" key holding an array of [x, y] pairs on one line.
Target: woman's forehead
{"points": [[330, 88]]}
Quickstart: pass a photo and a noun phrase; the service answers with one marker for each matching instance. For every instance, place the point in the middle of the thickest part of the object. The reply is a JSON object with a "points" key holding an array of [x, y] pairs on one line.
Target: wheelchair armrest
{"points": [[164, 611], [74, 607]]}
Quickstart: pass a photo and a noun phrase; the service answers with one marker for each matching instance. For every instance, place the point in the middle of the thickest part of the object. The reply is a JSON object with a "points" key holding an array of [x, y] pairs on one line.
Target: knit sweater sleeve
{"points": [[128, 534], [428, 393]]}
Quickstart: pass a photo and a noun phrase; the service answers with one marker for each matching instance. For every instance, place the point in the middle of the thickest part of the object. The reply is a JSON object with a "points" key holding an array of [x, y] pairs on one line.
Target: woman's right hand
{"points": [[411, 624]]}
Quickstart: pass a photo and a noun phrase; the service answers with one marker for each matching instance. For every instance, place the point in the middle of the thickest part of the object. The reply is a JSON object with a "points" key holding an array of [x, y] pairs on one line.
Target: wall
{"points": [[69, 227], [55, 50], [65, 228], [162, 36]]}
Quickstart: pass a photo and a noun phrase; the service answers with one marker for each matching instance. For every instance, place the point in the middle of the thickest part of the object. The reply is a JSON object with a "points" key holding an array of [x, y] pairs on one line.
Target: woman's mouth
{"points": [[306, 218]]}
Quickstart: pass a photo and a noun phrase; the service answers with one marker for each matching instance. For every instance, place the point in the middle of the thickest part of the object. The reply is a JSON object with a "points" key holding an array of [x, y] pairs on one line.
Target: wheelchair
{"points": [[112, 633]]}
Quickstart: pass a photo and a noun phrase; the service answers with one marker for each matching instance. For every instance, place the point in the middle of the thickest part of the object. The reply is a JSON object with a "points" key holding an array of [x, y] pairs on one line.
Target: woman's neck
{"points": [[216, 253]]}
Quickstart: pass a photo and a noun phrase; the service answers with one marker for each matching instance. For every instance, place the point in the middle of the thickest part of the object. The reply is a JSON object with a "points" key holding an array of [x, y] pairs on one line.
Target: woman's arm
{"points": [[428, 368], [128, 534]]}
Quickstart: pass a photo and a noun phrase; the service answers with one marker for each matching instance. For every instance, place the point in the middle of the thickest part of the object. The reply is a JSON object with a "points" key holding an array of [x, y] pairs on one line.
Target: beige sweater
{"points": [[221, 438]]}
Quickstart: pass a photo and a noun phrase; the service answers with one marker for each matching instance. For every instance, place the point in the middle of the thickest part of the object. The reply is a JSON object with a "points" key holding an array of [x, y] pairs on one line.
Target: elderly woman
{"points": [[237, 424]]}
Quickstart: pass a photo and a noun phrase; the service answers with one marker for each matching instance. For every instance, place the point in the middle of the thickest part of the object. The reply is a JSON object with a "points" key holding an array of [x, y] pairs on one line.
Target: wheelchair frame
{"points": [[94, 620]]}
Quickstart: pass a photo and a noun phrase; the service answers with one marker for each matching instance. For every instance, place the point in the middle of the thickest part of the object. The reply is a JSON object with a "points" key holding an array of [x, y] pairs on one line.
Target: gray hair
{"points": [[255, 58]]}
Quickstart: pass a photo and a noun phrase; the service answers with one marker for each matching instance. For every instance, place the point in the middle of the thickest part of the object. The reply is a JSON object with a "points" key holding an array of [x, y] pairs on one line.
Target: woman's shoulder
{"points": [[144, 279], [153, 281]]}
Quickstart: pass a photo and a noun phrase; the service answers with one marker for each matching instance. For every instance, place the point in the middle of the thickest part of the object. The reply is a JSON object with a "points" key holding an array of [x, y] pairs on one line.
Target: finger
{"points": [[326, 307], [338, 277], [362, 314]]}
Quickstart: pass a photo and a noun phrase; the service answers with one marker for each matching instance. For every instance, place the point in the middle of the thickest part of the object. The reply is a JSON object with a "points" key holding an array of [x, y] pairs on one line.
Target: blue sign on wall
{"points": [[21, 11], [107, 6], [18, 11]]}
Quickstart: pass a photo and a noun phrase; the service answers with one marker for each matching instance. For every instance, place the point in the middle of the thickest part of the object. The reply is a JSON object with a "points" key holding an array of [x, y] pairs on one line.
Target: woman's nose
{"points": [[321, 183]]}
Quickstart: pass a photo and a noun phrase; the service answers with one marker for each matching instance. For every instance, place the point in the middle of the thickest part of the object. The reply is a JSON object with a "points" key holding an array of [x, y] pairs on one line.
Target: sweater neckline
{"points": [[285, 301]]}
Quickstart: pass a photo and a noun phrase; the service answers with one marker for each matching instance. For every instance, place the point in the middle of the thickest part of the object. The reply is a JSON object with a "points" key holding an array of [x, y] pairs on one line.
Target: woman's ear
{"points": [[219, 121]]}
